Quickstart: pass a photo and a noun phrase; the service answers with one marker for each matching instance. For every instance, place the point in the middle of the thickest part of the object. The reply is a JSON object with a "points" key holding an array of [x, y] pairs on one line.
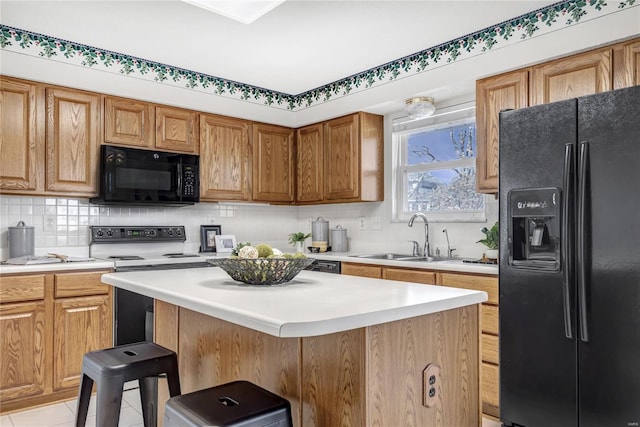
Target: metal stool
{"points": [[112, 367], [235, 404]]}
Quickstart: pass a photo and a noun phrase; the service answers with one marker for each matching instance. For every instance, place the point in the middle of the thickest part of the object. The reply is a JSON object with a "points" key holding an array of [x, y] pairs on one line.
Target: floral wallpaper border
{"points": [[556, 16]]}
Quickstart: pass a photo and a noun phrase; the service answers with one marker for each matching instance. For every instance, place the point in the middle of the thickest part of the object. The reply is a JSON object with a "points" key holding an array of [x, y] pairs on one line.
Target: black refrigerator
{"points": [[570, 262]]}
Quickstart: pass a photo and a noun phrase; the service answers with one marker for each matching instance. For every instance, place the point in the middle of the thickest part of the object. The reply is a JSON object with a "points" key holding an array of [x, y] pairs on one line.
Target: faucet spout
{"points": [[426, 250]]}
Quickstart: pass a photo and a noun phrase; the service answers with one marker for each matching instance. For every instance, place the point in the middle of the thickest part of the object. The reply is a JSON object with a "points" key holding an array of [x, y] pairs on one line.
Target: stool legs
{"points": [[108, 403], [86, 383], [149, 400]]}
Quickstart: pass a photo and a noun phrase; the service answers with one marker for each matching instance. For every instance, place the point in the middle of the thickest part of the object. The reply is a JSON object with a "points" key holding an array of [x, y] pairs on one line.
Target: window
{"points": [[435, 168]]}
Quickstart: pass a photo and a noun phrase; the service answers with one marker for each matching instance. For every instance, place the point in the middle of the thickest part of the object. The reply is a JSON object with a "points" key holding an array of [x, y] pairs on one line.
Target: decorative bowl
{"points": [[262, 271]]}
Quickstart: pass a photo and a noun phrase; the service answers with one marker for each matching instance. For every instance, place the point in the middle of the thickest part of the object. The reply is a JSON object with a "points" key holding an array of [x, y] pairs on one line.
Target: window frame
{"points": [[401, 130]]}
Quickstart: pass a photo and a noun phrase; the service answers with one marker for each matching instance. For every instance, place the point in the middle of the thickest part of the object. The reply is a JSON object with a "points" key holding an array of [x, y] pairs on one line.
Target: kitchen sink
{"points": [[397, 257], [429, 259]]}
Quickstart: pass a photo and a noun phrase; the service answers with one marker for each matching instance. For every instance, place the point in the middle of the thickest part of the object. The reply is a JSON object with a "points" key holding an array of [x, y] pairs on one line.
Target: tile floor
{"points": [[63, 414]]}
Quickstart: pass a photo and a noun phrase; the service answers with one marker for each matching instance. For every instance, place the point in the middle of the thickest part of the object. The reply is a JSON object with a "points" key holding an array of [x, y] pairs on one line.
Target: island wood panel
{"points": [[225, 160], [212, 352], [165, 333], [310, 164], [399, 352], [72, 140], [22, 288], [571, 77], [129, 122], [364, 377], [22, 367], [20, 151], [362, 270], [334, 379]]}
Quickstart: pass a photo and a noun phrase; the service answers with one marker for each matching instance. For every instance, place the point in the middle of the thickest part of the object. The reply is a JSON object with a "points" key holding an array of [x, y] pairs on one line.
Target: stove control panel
{"points": [[114, 234]]}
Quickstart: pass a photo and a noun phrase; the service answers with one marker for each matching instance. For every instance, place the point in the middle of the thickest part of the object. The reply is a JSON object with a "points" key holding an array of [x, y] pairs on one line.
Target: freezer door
{"points": [[609, 349], [538, 383]]}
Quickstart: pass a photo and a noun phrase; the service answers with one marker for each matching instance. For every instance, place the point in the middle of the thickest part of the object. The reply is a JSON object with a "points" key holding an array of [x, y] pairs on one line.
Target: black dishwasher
{"points": [[325, 266]]}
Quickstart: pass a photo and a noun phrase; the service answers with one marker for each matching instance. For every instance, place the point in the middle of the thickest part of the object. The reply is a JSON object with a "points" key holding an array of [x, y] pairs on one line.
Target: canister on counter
{"points": [[339, 239], [320, 234], [21, 240]]}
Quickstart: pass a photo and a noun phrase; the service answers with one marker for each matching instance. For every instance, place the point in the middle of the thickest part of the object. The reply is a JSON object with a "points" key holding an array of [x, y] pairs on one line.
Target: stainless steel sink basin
{"points": [[392, 256], [428, 259]]}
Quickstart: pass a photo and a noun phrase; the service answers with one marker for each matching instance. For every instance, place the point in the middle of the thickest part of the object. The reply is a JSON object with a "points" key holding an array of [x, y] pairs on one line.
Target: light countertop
{"points": [[455, 265], [56, 267], [311, 304]]}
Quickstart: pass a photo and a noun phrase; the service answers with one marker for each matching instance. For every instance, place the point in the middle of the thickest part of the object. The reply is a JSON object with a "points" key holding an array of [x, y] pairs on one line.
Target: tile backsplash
{"points": [[61, 224]]}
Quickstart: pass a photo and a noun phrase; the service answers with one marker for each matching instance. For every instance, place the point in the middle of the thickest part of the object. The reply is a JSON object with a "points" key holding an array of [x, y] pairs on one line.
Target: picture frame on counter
{"points": [[208, 235], [225, 243]]}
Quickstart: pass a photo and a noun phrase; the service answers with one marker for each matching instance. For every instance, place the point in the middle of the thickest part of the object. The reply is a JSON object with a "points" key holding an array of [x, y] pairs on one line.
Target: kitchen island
{"points": [[344, 350]]}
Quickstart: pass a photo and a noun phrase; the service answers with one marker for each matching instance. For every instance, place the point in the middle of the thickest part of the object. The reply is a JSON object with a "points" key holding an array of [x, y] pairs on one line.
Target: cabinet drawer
{"points": [[80, 284], [490, 319], [426, 277], [362, 270], [490, 347], [21, 288], [479, 283], [490, 384]]}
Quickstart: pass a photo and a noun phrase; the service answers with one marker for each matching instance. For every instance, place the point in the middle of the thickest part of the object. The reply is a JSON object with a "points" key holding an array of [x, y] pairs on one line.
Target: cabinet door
{"points": [[407, 275], [81, 324], [273, 174], [361, 270], [224, 158], [626, 65], [21, 156], [177, 130], [310, 164], [22, 367], [73, 129], [494, 94], [128, 122], [342, 158], [571, 77]]}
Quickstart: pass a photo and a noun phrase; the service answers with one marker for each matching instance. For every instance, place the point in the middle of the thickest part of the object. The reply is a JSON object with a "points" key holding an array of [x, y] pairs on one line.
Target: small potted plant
{"points": [[491, 241], [297, 240]]}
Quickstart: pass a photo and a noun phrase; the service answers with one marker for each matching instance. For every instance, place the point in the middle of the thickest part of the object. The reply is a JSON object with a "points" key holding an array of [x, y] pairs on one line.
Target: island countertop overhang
{"points": [[312, 304]]}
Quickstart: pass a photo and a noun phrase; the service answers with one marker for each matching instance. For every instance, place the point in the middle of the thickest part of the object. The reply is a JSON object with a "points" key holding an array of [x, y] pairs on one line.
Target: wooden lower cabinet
{"points": [[362, 270], [49, 321]]}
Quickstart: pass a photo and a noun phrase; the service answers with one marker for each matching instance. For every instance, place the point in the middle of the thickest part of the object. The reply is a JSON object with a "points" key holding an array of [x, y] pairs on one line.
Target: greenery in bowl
{"points": [[298, 237], [492, 238]]}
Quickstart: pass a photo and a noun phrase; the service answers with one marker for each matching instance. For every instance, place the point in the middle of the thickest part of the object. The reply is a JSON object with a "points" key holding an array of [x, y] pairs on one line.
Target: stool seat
{"points": [[111, 368], [235, 404]]}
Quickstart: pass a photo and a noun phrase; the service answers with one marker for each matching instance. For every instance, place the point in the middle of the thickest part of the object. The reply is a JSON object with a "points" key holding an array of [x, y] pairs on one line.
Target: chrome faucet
{"points": [[426, 252], [449, 248]]}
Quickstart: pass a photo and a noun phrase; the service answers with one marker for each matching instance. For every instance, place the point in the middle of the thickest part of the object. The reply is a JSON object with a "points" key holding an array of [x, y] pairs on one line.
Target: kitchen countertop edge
{"points": [[56, 267]]}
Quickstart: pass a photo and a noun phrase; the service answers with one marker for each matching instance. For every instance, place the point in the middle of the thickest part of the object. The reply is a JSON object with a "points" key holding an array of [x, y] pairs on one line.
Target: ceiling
{"points": [[296, 47]]}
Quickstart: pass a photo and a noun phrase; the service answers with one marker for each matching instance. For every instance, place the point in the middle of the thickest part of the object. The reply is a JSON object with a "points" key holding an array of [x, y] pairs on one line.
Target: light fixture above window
{"points": [[419, 107], [245, 11]]}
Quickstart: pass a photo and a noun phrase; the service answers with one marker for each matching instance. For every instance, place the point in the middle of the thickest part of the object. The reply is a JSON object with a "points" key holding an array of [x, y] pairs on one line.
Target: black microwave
{"points": [[129, 176]]}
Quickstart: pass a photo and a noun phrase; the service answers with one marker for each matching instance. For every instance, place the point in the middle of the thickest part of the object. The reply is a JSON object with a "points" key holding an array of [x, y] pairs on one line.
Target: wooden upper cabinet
{"points": [[177, 130], [224, 158], [353, 158], [273, 172], [20, 151], [494, 94], [129, 122], [626, 65], [309, 164], [72, 140], [578, 75]]}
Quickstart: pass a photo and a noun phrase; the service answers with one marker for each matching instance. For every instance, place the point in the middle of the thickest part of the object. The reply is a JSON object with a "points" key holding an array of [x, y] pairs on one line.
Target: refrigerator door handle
{"points": [[581, 240], [567, 242]]}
